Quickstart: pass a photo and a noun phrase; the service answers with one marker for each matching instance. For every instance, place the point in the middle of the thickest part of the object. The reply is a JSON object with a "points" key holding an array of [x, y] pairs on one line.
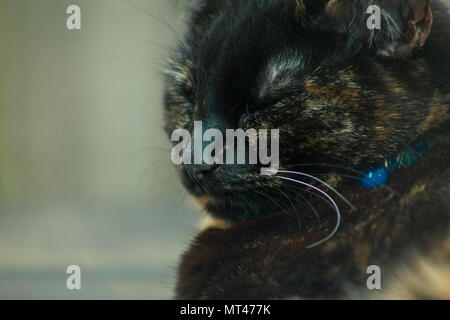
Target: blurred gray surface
{"points": [[85, 171]]}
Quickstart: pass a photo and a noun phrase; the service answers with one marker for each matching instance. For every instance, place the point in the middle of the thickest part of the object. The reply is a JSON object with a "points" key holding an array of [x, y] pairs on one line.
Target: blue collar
{"points": [[380, 176]]}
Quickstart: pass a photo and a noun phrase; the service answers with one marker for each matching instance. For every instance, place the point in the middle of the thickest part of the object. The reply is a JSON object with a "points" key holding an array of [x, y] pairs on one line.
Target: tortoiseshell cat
{"points": [[346, 99]]}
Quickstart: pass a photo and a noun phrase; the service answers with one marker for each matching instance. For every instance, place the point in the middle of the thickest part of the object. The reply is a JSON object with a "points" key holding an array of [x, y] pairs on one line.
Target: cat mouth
{"points": [[241, 206], [233, 199], [246, 201], [227, 186]]}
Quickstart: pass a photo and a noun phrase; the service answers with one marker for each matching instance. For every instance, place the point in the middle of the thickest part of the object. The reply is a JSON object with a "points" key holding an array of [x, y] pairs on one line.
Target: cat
{"points": [[347, 99]]}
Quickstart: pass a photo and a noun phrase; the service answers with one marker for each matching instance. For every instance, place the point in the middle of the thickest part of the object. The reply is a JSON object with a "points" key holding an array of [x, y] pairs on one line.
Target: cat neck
{"points": [[379, 176]]}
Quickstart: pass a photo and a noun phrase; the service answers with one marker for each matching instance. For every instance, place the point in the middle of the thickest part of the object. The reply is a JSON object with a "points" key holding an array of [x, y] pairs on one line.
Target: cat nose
{"points": [[200, 172]]}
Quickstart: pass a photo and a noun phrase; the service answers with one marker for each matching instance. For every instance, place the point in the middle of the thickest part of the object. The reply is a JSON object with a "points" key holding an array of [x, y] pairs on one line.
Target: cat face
{"points": [[339, 93]]}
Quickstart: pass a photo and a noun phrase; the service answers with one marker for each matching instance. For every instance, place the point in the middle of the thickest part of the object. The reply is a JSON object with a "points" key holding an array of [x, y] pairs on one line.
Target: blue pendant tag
{"points": [[375, 178]]}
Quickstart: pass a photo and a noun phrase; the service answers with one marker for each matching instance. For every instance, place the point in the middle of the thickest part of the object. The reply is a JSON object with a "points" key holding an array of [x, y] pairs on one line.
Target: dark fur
{"points": [[313, 70]]}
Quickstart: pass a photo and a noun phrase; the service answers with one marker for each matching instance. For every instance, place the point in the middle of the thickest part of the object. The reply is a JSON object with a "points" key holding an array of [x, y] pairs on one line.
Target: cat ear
{"points": [[404, 24]]}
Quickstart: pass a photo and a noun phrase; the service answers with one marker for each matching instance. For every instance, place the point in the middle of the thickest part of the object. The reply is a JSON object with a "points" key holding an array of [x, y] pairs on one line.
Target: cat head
{"points": [[340, 92]]}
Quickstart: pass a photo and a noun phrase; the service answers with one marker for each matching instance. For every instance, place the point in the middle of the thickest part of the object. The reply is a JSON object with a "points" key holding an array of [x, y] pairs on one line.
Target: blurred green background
{"points": [[85, 170]]}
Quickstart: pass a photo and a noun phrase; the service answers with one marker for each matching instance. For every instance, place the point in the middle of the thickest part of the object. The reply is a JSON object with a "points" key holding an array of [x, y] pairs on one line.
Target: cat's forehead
{"points": [[279, 71], [282, 64], [254, 48]]}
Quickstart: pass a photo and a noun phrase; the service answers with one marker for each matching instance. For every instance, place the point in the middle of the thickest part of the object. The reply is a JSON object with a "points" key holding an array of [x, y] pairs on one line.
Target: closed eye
{"points": [[250, 111], [251, 108]]}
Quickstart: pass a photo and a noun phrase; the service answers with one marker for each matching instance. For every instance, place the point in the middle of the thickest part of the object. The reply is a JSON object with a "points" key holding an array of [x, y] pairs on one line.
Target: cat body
{"points": [[346, 99]]}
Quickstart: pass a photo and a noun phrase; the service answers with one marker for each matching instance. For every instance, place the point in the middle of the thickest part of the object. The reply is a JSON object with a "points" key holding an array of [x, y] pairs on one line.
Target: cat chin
{"points": [[210, 222], [227, 210]]}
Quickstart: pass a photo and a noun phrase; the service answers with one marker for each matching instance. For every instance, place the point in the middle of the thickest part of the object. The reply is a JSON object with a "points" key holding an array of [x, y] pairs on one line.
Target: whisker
{"points": [[338, 213], [357, 179], [360, 173], [153, 16], [308, 191], [324, 183], [272, 199], [293, 206], [159, 45], [256, 210], [181, 200], [313, 209], [308, 204], [315, 212], [288, 198], [245, 207], [343, 175], [324, 165]]}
